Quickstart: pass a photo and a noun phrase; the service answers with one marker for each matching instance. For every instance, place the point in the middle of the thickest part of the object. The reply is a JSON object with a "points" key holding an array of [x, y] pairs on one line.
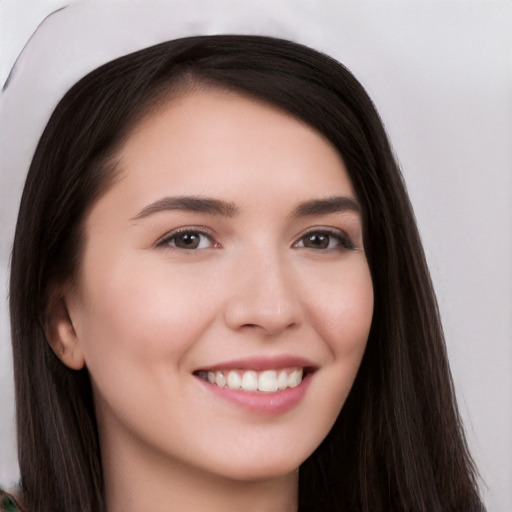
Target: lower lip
{"points": [[259, 402]]}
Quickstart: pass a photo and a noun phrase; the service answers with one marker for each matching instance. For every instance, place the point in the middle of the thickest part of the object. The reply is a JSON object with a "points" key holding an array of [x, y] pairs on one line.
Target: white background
{"points": [[440, 73]]}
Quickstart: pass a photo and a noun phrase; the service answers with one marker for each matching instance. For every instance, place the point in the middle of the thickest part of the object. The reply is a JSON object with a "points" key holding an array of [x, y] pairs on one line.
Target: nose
{"points": [[263, 296]]}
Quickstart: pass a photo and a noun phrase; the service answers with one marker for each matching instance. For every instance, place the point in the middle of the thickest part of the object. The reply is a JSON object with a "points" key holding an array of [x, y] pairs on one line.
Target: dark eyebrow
{"points": [[189, 203], [334, 204]]}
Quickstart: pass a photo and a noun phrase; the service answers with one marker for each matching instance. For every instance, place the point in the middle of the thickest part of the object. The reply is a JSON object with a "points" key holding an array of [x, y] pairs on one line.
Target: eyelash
{"points": [[343, 241], [166, 240]]}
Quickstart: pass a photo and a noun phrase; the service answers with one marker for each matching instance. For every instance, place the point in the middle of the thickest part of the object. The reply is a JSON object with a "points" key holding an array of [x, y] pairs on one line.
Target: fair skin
{"points": [[267, 274]]}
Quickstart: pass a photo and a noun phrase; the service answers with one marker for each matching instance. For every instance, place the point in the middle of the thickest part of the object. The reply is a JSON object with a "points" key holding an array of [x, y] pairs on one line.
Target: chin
{"points": [[262, 472], [262, 466]]}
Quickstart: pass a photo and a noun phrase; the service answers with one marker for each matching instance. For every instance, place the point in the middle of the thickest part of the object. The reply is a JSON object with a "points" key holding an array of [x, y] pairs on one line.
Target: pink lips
{"points": [[258, 402], [262, 363]]}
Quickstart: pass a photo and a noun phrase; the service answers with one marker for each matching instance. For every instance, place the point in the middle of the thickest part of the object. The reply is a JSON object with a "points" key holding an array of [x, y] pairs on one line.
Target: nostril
{"points": [[265, 298], [271, 328], [254, 313]]}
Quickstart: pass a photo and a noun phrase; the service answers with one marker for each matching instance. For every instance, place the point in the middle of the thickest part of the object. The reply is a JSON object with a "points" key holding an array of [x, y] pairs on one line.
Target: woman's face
{"points": [[224, 299]]}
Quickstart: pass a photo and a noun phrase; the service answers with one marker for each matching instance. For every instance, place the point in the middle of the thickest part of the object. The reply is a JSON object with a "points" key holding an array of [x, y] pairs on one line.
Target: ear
{"points": [[61, 333]]}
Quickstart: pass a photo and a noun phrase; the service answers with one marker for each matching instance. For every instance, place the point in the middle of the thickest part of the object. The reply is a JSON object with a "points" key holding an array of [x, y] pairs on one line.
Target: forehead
{"points": [[211, 136]]}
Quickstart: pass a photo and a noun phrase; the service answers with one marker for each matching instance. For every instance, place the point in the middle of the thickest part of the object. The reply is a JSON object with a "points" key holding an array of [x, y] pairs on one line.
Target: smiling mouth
{"points": [[267, 381]]}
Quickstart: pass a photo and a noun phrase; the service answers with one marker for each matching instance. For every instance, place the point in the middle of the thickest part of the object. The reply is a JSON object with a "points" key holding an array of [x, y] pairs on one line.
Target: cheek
{"points": [[342, 312], [136, 320], [137, 327]]}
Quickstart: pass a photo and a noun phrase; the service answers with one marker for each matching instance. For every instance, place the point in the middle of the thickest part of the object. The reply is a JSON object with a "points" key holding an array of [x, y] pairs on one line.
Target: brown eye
{"points": [[316, 241], [325, 240], [188, 239]]}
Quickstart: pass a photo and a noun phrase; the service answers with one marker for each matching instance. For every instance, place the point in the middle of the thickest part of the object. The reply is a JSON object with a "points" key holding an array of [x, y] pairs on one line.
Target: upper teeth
{"points": [[267, 381]]}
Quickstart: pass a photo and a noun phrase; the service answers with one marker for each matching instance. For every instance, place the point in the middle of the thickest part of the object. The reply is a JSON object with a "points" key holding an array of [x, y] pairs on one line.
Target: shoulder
{"points": [[9, 503]]}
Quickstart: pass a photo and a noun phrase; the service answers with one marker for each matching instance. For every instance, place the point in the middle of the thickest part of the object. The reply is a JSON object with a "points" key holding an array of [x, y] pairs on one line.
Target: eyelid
{"points": [[345, 240], [201, 230]]}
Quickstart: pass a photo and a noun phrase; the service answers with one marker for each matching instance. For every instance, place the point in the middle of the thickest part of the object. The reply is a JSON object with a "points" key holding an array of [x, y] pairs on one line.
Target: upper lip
{"points": [[261, 363]]}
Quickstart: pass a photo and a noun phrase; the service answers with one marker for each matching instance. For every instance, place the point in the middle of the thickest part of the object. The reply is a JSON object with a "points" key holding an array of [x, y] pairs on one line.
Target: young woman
{"points": [[219, 299]]}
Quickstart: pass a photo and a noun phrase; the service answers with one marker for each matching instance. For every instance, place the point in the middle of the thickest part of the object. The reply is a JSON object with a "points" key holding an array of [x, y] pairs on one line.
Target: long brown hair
{"points": [[398, 443]]}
